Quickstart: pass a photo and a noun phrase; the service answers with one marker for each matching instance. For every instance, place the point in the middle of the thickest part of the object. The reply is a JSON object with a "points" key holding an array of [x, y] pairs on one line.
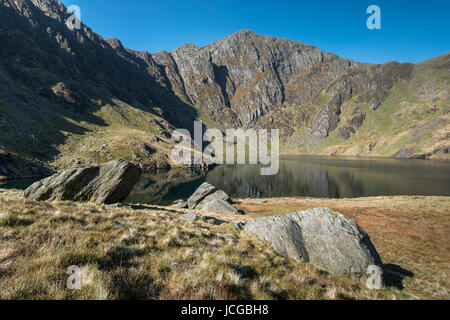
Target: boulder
{"points": [[282, 233], [107, 183], [219, 205], [219, 194], [321, 236], [191, 217], [179, 204], [201, 193], [208, 198]]}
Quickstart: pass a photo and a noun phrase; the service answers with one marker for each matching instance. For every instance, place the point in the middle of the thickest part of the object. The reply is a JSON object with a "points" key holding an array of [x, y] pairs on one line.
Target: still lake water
{"points": [[308, 176]]}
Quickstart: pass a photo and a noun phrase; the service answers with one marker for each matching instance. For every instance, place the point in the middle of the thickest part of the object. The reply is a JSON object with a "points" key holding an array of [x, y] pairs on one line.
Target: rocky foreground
{"points": [[333, 245], [150, 252]]}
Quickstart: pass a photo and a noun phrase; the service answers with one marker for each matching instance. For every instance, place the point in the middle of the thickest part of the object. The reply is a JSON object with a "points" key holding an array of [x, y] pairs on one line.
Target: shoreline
{"points": [[286, 155]]}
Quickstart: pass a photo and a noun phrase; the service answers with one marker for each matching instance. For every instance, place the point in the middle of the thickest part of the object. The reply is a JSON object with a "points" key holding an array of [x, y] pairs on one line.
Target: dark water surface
{"points": [[309, 176]]}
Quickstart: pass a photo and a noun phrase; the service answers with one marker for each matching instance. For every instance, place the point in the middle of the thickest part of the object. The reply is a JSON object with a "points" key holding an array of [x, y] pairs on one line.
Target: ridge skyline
{"points": [[410, 33]]}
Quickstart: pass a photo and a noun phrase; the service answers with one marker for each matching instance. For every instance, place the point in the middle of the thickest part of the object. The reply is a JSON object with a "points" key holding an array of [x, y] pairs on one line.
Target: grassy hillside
{"points": [[149, 252], [413, 121]]}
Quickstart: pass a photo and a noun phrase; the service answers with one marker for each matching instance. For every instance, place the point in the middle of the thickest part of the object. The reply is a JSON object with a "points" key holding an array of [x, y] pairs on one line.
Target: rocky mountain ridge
{"points": [[70, 97], [244, 77]]}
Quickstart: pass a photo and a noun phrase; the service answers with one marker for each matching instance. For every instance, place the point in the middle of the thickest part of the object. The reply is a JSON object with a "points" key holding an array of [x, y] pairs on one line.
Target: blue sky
{"points": [[411, 31]]}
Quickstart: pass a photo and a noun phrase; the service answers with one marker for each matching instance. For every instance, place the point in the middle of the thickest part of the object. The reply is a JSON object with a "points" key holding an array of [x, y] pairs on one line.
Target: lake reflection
{"points": [[308, 176]]}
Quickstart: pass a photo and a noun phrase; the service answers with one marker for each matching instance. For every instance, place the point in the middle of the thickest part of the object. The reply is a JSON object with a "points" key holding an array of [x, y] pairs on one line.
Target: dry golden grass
{"points": [[145, 252], [411, 233]]}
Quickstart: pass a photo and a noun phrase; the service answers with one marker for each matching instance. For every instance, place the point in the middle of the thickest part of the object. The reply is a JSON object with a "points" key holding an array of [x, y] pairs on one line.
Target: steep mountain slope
{"points": [[322, 104], [72, 98]]}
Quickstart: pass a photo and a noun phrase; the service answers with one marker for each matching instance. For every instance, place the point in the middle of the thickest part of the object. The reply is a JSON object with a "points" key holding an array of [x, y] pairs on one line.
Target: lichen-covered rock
{"points": [[219, 205], [191, 217], [321, 236], [201, 193], [282, 233], [208, 198], [219, 194], [107, 183]]}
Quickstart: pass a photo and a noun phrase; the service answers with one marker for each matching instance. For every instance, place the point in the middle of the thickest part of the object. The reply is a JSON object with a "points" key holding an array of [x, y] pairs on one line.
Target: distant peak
{"points": [[188, 47], [244, 34]]}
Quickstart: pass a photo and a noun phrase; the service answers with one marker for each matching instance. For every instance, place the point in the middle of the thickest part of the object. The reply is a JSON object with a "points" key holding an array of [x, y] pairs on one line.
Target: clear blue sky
{"points": [[412, 31]]}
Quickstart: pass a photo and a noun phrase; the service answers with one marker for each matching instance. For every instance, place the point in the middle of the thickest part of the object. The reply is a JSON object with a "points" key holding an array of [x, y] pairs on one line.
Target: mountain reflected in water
{"points": [[309, 176]]}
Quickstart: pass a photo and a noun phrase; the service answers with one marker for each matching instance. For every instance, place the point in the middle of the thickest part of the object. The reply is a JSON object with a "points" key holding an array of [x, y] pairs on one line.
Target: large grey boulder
{"points": [[208, 198], [201, 193], [219, 205], [218, 195], [321, 236], [191, 217], [107, 183], [282, 233]]}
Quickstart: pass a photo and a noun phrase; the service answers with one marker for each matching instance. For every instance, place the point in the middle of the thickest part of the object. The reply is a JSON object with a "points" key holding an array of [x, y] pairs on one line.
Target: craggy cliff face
{"points": [[70, 97], [247, 80]]}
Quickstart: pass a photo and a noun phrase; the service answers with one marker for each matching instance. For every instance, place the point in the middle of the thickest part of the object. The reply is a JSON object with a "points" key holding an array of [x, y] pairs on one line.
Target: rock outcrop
{"points": [[106, 183], [321, 236], [282, 233], [219, 205], [208, 198], [201, 193], [248, 80]]}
